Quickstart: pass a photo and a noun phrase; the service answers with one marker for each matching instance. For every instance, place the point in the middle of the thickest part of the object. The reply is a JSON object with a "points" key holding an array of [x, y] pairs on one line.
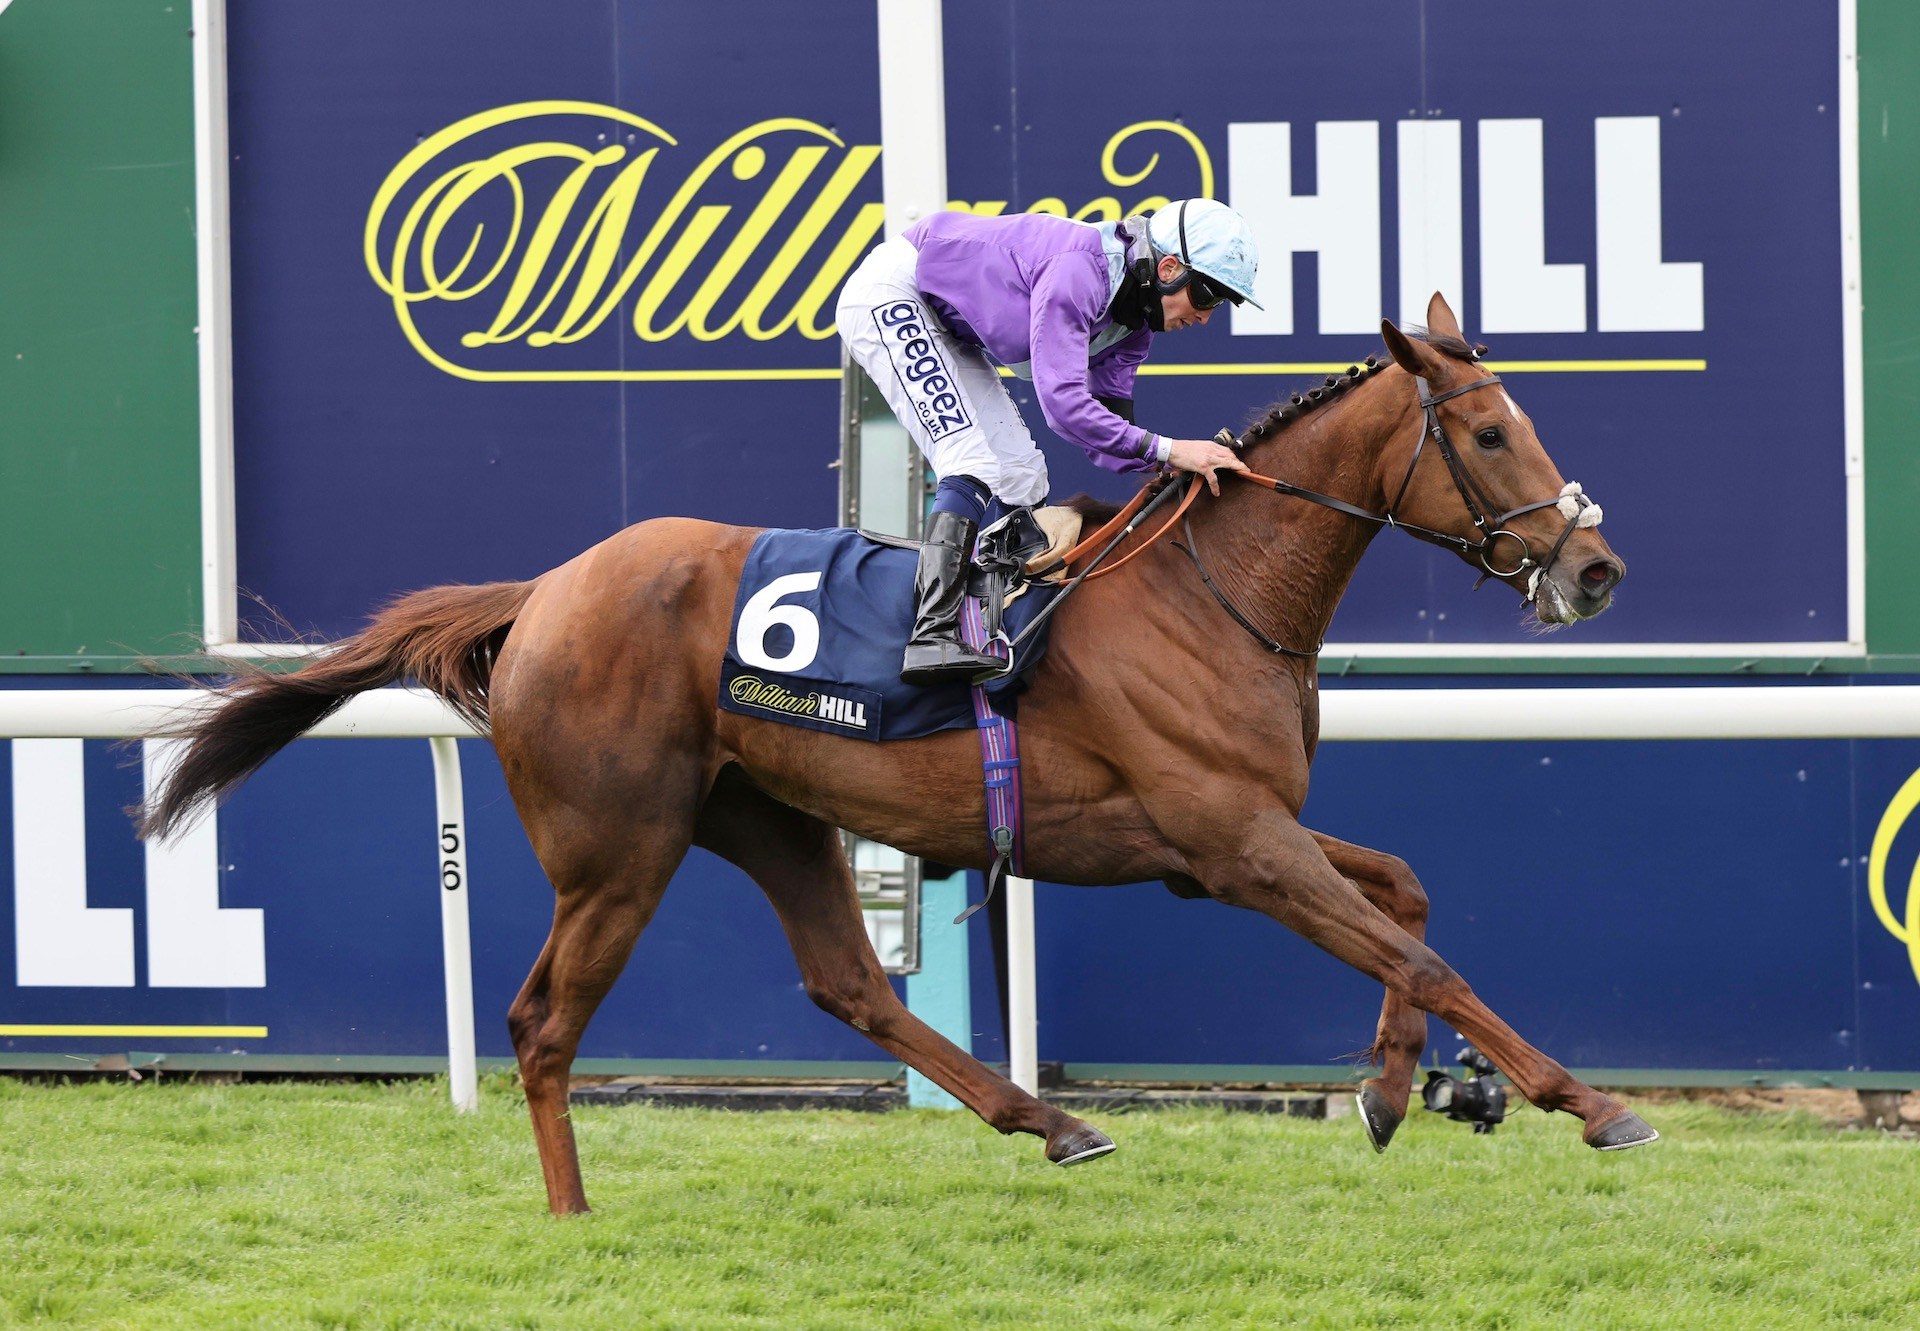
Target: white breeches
{"points": [[947, 394]]}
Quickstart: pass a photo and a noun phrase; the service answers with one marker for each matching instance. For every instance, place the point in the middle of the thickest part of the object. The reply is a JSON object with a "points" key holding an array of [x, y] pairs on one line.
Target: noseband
{"points": [[1572, 503]]}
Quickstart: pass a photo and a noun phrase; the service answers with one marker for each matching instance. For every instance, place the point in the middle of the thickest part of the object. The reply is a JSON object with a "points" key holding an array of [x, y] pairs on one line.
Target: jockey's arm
{"points": [[1069, 298], [1106, 385]]}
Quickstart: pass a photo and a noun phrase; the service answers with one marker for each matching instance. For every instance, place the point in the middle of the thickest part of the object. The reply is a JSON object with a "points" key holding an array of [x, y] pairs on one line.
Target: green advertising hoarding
{"points": [[99, 413]]}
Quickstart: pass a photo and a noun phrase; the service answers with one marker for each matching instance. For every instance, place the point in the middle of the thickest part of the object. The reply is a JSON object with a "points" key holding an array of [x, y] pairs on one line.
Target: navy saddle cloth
{"points": [[820, 621]]}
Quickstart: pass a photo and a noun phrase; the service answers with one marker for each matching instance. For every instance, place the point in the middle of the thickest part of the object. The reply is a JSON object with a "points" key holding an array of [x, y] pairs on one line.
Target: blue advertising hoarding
{"points": [[507, 283]]}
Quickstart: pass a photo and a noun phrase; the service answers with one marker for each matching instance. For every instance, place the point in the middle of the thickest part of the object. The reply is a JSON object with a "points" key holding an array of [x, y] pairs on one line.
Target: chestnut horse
{"points": [[1160, 741]]}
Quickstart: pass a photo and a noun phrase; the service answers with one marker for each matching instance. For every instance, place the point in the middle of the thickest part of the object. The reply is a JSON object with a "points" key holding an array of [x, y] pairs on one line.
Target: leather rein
{"points": [[1488, 521]]}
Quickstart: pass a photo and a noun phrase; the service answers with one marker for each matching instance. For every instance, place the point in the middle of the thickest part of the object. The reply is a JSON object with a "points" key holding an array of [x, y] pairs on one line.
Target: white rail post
{"points": [[213, 269], [1023, 1015], [450, 844], [913, 111], [913, 185]]}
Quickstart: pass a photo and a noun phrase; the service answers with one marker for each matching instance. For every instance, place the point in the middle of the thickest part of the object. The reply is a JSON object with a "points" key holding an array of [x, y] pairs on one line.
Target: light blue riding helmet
{"points": [[1211, 238]]}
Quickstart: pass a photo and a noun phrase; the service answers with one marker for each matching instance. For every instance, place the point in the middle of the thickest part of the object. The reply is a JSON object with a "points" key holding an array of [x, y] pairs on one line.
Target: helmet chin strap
{"points": [[1137, 303], [1141, 290]]}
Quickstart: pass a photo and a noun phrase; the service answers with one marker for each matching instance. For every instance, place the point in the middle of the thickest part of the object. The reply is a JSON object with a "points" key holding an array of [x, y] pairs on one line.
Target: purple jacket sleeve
{"points": [[1069, 298], [1113, 368]]}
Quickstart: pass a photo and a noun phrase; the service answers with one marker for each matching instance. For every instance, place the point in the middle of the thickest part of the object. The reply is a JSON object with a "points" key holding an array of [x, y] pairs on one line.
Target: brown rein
{"points": [[1490, 523], [1118, 522], [1117, 528]]}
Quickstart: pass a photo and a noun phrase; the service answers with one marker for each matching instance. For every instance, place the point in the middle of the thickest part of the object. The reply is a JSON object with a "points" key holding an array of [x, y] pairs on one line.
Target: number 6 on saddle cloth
{"points": [[820, 621]]}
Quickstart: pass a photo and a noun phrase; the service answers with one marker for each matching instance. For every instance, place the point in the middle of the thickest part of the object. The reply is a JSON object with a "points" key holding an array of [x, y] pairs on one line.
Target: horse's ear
{"points": [[1440, 318], [1411, 356]]}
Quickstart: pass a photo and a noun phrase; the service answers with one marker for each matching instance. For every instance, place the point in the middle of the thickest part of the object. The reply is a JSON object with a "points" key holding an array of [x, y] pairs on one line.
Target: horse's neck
{"points": [[1285, 561]]}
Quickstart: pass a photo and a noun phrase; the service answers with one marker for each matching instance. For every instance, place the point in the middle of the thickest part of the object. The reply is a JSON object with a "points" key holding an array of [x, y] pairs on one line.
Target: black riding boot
{"points": [[935, 652]]}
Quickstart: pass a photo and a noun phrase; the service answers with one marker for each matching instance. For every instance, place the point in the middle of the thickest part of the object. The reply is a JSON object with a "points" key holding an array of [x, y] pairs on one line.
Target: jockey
{"points": [[1073, 306]]}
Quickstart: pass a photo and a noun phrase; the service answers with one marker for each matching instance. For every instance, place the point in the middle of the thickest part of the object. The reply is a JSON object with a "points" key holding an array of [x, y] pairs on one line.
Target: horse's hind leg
{"points": [[597, 915], [1389, 884], [799, 862]]}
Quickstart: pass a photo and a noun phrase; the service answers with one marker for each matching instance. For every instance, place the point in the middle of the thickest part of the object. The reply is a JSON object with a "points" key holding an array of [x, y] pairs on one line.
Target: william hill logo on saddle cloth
{"points": [[838, 708]]}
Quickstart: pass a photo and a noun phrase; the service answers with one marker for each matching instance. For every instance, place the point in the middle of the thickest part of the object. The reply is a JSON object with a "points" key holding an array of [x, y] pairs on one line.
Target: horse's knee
{"points": [[830, 998], [545, 1062], [850, 1001], [1395, 889], [525, 1017], [1410, 899], [544, 1053], [1429, 983]]}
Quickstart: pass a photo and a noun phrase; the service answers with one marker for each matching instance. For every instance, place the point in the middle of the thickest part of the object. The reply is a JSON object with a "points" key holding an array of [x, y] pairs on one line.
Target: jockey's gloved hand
{"points": [[1209, 457]]}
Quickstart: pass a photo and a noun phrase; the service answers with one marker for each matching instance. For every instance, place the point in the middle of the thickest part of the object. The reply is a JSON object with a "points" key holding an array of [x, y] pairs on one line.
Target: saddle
{"points": [[821, 617], [1006, 549], [1034, 541]]}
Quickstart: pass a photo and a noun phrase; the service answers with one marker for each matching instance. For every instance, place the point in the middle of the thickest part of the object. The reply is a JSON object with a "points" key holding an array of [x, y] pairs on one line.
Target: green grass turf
{"points": [[374, 1206]]}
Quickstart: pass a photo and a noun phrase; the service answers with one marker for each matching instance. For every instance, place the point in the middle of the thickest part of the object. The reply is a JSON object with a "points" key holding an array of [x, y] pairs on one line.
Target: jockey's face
{"points": [[1177, 311]]}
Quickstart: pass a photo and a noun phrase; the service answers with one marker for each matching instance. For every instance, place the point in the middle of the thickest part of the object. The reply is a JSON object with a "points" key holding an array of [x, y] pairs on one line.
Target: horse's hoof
{"points": [[1625, 1130], [1377, 1116], [1079, 1145]]}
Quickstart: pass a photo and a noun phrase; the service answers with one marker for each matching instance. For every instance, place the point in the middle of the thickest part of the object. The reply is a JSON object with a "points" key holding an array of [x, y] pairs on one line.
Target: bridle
{"points": [[1572, 503], [1480, 507]]}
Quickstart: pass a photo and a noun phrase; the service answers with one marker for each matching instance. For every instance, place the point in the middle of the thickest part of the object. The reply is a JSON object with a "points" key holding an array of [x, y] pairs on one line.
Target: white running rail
{"points": [[1866, 711], [382, 714]]}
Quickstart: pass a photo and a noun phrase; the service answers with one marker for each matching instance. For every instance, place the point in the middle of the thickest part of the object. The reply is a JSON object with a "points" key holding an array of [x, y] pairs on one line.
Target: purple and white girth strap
{"points": [[999, 761]]}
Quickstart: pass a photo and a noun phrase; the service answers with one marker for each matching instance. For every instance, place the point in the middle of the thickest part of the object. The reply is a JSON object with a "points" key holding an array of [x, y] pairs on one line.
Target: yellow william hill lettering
{"points": [[538, 239], [749, 691], [752, 691], [1904, 925]]}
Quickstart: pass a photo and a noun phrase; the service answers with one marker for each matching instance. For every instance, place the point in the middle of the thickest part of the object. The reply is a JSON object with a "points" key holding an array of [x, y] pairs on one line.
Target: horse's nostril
{"points": [[1599, 577]]}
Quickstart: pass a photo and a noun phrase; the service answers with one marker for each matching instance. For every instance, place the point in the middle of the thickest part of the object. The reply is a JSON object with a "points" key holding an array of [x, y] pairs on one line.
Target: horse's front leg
{"points": [[1388, 883], [1275, 867]]}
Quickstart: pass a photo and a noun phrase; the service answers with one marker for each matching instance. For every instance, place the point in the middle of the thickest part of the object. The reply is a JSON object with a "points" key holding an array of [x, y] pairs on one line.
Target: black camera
{"points": [[1477, 1099]]}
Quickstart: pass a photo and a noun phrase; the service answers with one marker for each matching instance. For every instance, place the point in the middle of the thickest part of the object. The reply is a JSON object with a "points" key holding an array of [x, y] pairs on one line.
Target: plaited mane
{"points": [[1282, 414]]}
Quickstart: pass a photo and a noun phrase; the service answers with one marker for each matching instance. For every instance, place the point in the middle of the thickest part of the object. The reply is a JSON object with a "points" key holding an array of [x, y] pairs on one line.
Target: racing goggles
{"points": [[1205, 293]]}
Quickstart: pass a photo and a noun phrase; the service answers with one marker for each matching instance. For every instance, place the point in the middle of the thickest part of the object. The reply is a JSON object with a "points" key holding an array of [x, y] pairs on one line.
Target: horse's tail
{"points": [[443, 637]]}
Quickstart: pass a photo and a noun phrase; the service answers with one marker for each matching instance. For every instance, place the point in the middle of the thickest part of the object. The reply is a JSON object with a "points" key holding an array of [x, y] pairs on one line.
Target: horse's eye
{"points": [[1490, 438]]}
